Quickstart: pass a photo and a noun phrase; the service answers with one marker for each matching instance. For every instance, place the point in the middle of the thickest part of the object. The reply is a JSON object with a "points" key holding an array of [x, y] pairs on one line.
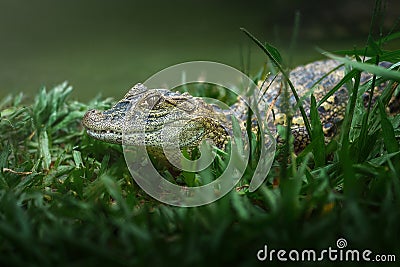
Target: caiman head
{"points": [[156, 117]]}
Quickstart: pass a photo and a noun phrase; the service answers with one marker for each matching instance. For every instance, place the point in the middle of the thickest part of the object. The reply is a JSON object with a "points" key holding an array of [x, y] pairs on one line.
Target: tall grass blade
{"points": [[274, 55], [318, 137], [377, 70]]}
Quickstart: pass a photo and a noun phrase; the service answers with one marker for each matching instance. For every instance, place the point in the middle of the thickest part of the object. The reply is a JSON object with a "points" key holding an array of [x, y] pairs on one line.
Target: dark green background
{"points": [[105, 47]]}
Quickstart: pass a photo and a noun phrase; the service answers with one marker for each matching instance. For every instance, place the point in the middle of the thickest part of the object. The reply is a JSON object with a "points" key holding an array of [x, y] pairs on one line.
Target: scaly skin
{"points": [[163, 116], [154, 108]]}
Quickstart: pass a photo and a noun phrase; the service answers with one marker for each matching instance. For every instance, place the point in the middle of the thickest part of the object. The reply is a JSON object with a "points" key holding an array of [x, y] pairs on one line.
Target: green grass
{"points": [[68, 200]]}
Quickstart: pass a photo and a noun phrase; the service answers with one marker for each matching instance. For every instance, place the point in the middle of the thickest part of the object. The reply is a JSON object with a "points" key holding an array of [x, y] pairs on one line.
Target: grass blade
{"points": [[276, 58], [388, 134], [317, 135], [44, 150], [377, 70], [348, 77]]}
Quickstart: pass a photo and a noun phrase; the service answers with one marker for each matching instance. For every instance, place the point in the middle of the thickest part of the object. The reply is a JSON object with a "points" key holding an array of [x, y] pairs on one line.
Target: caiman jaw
{"points": [[98, 126], [108, 125]]}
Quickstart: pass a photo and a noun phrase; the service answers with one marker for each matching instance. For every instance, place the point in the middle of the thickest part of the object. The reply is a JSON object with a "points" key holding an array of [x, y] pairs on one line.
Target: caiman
{"points": [[191, 120]]}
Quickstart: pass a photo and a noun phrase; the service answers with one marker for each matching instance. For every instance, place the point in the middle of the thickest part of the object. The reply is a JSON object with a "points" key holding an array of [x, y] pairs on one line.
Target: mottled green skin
{"points": [[154, 108]]}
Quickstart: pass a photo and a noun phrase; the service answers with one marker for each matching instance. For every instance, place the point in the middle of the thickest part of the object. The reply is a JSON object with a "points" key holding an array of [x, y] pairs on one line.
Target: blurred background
{"points": [[102, 46]]}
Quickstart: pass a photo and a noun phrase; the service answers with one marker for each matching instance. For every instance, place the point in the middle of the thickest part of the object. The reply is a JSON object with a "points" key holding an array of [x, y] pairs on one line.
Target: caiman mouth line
{"points": [[105, 135], [99, 132]]}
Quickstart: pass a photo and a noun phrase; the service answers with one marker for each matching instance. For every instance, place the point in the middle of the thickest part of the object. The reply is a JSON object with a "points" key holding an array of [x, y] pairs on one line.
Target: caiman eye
{"points": [[151, 101]]}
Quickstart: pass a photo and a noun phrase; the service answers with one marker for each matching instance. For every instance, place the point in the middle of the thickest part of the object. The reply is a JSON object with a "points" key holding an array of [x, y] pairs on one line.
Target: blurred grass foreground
{"points": [[68, 200]]}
